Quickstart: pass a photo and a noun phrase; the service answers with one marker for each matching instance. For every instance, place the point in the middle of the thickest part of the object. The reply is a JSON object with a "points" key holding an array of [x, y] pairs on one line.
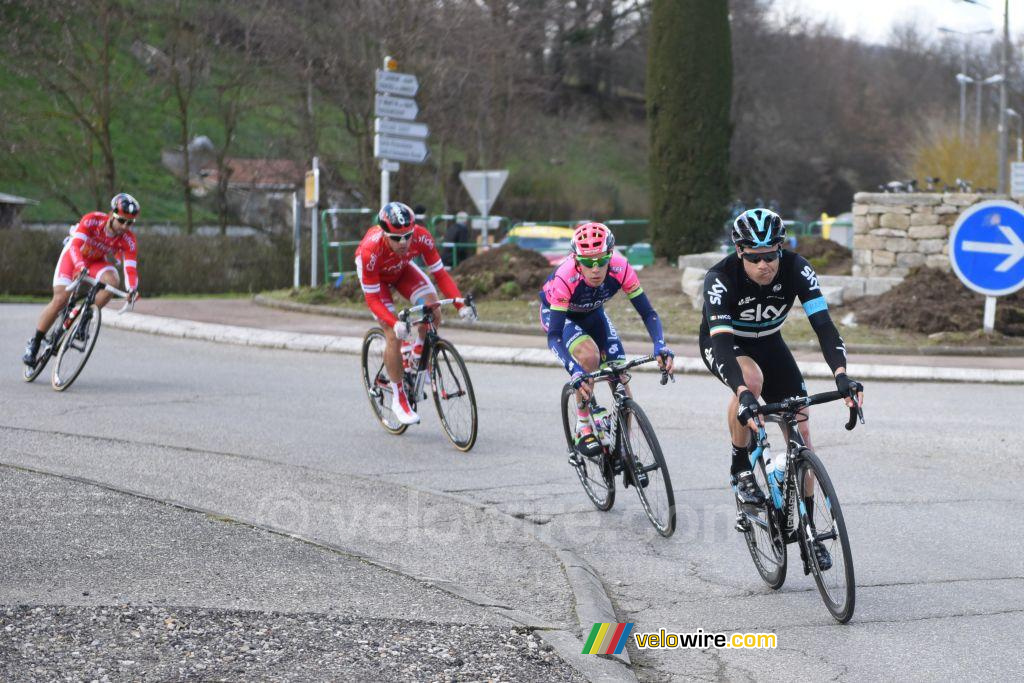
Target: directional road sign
{"points": [[402, 129], [397, 84], [395, 107], [483, 187], [399, 149], [986, 247]]}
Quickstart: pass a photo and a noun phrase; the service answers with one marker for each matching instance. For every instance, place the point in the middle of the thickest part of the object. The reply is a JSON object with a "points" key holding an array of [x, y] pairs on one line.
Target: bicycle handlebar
{"points": [[615, 370], [406, 313], [113, 290], [792, 405]]}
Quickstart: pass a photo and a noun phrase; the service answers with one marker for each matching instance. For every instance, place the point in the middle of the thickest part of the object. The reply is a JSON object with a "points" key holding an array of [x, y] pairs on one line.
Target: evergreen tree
{"points": [[689, 88]]}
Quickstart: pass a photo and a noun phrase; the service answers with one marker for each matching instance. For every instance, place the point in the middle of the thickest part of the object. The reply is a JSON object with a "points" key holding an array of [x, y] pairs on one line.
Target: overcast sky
{"points": [[870, 20]]}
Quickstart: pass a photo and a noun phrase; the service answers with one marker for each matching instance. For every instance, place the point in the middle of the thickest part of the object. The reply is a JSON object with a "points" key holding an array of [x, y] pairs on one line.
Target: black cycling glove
{"points": [[844, 384], [748, 407]]}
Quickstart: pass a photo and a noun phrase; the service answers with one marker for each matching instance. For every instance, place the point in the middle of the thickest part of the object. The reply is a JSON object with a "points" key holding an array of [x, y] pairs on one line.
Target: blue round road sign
{"points": [[986, 247]]}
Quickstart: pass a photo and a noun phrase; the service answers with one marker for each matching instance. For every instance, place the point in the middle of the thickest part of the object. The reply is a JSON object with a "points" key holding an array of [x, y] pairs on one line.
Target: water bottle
{"points": [[780, 467], [602, 425], [769, 466]]}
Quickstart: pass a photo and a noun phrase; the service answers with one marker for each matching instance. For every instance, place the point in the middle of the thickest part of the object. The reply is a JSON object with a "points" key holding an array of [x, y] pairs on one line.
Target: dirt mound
{"points": [[930, 300], [505, 272], [826, 257]]}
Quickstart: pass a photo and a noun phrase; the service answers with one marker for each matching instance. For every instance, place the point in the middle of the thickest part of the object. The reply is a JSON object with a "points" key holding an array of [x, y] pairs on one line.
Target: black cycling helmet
{"points": [[758, 228], [396, 217]]}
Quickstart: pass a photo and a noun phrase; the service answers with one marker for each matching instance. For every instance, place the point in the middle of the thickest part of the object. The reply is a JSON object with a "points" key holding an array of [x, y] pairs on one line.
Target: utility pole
{"points": [[1003, 66]]}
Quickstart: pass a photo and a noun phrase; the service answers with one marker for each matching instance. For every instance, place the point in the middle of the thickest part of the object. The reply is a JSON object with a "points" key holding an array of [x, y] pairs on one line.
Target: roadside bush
{"points": [[186, 264]]}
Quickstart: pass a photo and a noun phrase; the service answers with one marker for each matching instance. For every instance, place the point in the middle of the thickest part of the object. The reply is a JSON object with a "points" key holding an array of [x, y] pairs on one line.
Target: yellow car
{"points": [[552, 241]]}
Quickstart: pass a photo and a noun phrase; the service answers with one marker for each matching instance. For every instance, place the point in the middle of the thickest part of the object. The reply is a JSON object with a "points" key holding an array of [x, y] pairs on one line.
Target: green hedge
{"points": [[187, 264]]}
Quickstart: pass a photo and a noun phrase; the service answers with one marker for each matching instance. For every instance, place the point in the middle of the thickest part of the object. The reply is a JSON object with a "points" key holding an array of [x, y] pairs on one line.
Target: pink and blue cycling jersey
{"points": [[570, 309], [565, 289]]}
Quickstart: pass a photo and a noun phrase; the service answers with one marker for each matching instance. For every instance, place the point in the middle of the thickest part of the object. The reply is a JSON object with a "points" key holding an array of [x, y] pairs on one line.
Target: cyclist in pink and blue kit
{"points": [[578, 328]]}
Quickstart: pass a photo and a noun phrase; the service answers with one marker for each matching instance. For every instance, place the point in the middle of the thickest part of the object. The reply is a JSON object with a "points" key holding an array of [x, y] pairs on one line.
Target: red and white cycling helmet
{"points": [[592, 239], [396, 217]]}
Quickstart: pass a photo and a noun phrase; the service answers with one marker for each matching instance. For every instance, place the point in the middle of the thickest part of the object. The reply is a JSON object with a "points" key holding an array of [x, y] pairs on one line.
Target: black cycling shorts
{"points": [[782, 376]]}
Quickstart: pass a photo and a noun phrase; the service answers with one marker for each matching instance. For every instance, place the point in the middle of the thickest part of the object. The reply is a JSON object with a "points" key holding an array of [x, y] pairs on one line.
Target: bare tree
{"points": [[67, 48]]}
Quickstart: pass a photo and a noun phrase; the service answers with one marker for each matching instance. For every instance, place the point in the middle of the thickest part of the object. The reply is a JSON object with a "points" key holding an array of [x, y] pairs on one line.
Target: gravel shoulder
{"points": [[101, 585]]}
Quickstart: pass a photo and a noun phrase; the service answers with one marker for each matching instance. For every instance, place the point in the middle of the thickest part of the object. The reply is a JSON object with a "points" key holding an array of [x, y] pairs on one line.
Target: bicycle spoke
{"points": [[647, 464]]}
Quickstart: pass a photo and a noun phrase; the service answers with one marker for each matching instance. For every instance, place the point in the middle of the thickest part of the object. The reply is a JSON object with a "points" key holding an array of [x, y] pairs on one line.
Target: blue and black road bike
{"points": [[801, 507]]}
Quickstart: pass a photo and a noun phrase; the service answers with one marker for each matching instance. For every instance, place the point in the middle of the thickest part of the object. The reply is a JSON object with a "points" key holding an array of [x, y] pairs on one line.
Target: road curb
{"points": [[512, 328], [298, 341]]}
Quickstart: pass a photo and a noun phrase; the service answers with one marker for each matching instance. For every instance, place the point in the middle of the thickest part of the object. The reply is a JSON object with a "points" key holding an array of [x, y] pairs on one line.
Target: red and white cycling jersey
{"points": [[378, 265], [90, 245]]}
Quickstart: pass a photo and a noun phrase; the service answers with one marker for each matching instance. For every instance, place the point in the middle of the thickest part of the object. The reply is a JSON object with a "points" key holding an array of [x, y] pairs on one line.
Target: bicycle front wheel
{"points": [[76, 347], [376, 382], [647, 468], [824, 524], [595, 475], [764, 535], [453, 395]]}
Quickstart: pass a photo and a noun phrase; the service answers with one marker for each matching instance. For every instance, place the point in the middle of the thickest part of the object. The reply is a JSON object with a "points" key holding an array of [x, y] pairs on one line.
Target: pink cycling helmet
{"points": [[592, 239]]}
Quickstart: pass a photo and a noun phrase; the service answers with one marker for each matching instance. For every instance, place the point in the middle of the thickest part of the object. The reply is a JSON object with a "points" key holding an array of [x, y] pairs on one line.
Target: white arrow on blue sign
{"points": [[395, 107], [399, 149], [986, 247]]}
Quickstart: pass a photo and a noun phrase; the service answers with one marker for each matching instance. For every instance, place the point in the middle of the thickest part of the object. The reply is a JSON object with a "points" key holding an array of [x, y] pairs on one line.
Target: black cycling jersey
{"points": [[740, 314]]}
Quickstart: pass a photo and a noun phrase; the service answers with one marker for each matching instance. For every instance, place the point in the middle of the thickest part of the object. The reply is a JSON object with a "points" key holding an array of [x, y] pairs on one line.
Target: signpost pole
{"points": [[989, 319], [296, 237], [315, 232], [385, 186]]}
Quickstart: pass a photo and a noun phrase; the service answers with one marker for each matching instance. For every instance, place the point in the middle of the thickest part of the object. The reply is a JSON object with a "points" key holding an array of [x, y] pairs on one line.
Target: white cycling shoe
{"points": [[400, 407]]}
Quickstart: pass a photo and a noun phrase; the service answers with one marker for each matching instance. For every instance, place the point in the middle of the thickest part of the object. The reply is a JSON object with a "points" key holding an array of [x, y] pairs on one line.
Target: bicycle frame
{"points": [[786, 414], [430, 339]]}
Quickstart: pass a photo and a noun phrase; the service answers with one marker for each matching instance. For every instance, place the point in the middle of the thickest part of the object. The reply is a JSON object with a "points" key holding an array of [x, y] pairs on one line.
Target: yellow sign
{"points": [[312, 189]]}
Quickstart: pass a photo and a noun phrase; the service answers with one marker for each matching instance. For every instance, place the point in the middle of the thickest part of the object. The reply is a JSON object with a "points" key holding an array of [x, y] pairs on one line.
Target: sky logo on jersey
{"points": [[762, 313], [812, 278], [607, 639], [716, 292]]}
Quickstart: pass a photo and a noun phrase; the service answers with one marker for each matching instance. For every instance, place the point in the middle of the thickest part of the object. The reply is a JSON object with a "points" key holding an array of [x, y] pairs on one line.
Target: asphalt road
{"points": [[285, 440]]}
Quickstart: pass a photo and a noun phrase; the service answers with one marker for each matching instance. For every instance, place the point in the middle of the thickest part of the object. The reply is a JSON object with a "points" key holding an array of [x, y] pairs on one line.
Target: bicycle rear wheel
{"points": [[836, 584], [376, 382], [647, 468], [76, 347], [596, 477], [765, 539], [453, 395], [51, 340]]}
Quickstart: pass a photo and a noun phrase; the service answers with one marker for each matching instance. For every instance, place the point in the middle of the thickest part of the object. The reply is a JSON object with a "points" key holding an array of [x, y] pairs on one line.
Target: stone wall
{"points": [[896, 232]]}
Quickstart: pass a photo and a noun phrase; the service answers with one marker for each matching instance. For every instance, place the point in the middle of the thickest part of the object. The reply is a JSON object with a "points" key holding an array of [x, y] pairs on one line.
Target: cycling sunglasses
{"points": [[124, 221], [400, 238], [767, 257], [593, 262]]}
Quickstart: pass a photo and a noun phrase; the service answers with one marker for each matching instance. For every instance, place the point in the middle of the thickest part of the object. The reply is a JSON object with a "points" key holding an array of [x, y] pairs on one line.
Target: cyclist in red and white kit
{"points": [[384, 260], [95, 243]]}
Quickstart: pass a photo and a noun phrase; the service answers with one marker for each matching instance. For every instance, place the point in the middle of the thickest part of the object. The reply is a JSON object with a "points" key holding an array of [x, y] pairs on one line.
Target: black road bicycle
{"points": [[791, 479], [440, 365], [629, 447], [73, 334]]}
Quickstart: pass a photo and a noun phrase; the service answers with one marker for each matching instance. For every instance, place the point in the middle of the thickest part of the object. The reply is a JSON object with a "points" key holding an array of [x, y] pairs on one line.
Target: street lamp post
{"points": [[991, 80], [1012, 113], [962, 78], [1003, 65]]}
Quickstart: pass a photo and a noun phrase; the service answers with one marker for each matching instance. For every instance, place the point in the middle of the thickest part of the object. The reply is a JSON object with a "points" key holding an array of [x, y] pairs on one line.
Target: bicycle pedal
{"points": [[742, 524], [575, 459]]}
